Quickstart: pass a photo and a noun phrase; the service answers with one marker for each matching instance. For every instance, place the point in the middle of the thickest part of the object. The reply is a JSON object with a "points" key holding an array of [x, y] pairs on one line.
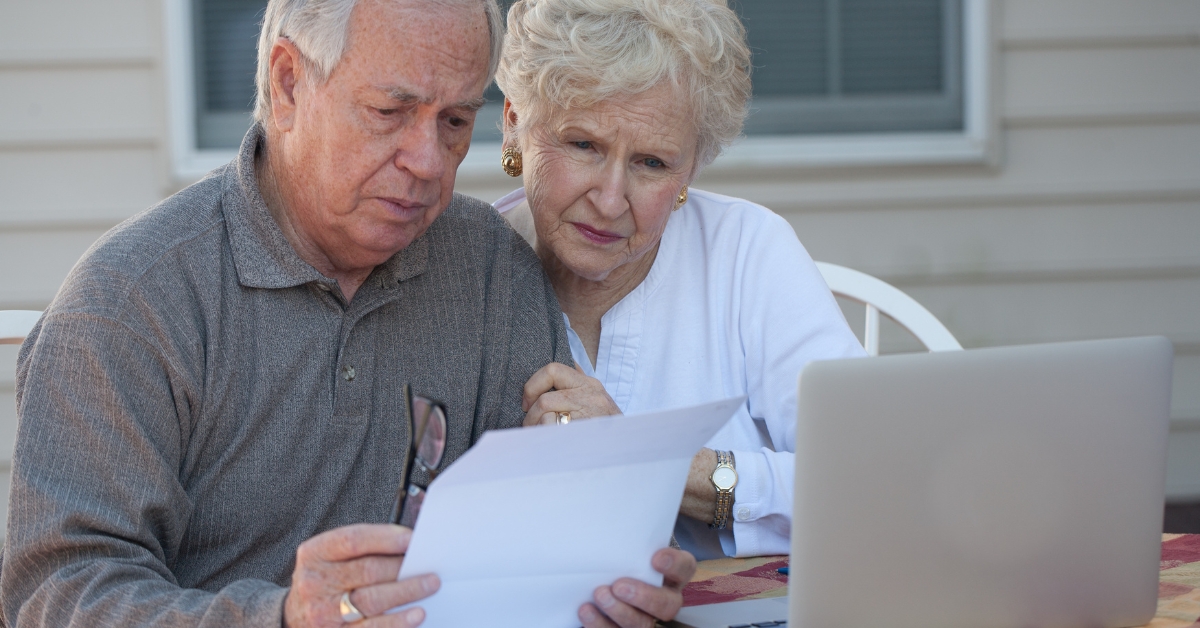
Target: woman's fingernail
{"points": [[414, 616], [665, 561], [605, 598], [430, 583], [587, 614], [624, 591]]}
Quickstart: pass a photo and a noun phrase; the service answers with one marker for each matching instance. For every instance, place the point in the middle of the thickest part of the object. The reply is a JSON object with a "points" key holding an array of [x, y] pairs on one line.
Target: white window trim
{"points": [[188, 163], [975, 144]]}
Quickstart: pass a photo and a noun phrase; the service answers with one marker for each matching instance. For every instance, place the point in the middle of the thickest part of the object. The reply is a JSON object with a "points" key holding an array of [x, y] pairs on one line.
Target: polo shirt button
{"points": [[348, 373], [323, 287], [743, 513]]}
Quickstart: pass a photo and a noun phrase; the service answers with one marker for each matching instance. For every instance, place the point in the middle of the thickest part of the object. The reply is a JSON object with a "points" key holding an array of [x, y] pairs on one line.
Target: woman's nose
{"points": [[611, 193]]}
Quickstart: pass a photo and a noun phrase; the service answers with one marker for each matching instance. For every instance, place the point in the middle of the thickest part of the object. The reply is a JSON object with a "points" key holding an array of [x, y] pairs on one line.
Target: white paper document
{"points": [[523, 527]]}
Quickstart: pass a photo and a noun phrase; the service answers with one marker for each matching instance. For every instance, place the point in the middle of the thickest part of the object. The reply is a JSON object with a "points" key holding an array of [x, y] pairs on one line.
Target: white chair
{"points": [[16, 324], [880, 296]]}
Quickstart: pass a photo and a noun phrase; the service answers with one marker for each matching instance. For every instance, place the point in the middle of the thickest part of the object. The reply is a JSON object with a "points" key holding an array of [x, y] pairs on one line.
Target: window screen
{"points": [[854, 66], [226, 38], [820, 66]]}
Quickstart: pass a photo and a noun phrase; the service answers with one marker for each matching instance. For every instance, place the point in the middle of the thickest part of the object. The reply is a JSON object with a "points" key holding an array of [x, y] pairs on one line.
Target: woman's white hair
{"points": [[562, 54], [320, 29]]}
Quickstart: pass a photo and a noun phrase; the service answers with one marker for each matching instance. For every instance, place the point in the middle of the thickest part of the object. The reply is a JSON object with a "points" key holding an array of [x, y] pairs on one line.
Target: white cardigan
{"points": [[732, 306]]}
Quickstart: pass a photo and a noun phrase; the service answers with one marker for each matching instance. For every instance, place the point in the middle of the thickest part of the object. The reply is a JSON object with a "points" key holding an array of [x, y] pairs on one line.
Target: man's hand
{"points": [[560, 388], [630, 603], [363, 560]]}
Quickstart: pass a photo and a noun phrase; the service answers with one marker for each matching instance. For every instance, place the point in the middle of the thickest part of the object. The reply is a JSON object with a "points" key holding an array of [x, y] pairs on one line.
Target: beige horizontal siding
{"points": [[1008, 242], [79, 29], [37, 261], [8, 425], [1101, 84], [987, 314], [1098, 22], [72, 106], [66, 188], [1185, 387]]}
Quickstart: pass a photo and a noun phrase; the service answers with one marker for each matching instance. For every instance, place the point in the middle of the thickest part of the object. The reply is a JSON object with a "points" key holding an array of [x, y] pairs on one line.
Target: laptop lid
{"points": [[1006, 487]]}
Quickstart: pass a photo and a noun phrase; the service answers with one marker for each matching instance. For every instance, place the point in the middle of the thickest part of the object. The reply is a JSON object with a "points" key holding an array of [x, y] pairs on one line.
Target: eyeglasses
{"points": [[425, 453]]}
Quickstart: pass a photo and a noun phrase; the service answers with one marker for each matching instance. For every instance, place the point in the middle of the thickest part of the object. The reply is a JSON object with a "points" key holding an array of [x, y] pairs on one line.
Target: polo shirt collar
{"points": [[261, 253]]}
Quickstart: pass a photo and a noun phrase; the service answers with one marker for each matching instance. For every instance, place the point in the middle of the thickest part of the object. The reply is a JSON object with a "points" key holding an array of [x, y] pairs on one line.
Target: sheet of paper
{"points": [[523, 527]]}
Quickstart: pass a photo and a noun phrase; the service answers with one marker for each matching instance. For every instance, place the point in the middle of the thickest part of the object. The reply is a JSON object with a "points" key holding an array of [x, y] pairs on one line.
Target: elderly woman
{"points": [[672, 296]]}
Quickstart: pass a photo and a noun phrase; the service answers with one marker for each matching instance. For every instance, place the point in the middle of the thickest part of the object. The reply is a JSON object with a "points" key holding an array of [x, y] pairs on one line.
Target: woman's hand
{"points": [[630, 603], [559, 388]]}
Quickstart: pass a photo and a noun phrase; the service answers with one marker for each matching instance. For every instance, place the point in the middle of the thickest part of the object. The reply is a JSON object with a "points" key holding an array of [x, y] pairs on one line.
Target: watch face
{"points": [[724, 478]]}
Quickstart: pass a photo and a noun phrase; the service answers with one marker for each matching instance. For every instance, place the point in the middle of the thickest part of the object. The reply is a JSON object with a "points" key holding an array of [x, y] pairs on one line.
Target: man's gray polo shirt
{"points": [[197, 401]]}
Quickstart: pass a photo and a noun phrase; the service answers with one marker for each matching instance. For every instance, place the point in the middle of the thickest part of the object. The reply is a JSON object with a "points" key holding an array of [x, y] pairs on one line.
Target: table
{"points": [[730, 579]]}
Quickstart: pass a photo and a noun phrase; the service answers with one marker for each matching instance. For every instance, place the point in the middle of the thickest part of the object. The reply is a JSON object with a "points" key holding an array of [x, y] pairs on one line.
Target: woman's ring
{"points": [[562, 418], [350, 612]]}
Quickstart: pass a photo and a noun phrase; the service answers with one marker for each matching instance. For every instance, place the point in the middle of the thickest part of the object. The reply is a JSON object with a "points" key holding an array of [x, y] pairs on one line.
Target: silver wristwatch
{"points": [[725, 479]]}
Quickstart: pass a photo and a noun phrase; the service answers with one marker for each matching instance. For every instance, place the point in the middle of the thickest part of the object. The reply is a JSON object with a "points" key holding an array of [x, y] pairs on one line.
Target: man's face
{"points": [[372, 153]]}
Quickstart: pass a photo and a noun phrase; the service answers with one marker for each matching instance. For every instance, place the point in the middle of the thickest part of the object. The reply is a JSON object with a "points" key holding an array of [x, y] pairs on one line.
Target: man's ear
{"points": [[286, 73]]}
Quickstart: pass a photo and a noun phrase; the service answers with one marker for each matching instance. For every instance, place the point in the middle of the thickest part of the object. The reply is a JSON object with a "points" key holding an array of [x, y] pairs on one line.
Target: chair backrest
{"points": [[880, 296], [16, 324]]}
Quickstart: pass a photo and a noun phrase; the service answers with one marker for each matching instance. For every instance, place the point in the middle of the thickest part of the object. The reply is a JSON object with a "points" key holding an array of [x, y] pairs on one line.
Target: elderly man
{"points": [[210, 411]]}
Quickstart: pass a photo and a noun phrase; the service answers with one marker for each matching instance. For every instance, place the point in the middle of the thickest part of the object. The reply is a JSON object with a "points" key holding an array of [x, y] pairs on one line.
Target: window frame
{"points": [[974, 144]]}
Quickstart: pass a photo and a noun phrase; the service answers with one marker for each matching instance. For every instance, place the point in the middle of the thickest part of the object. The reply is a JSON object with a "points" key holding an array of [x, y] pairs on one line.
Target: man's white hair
{"points": [[320, 29], [573, 54]]}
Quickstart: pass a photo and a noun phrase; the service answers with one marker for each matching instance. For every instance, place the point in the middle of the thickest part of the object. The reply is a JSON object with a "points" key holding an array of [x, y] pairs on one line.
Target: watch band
{"points": [[724, 495]]}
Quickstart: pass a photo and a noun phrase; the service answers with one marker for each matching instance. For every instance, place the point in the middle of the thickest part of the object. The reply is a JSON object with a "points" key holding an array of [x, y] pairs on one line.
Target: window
{"points": [[835, 81], [854, 66], [225, 36]]}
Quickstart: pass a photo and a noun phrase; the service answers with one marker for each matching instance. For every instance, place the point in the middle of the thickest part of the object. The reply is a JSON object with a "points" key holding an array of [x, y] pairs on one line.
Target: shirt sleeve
{"points": [[786, 318], [97, 509]]}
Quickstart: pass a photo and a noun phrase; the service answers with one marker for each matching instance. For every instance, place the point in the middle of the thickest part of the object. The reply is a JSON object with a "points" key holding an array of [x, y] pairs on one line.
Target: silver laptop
{"points": [[993, 488]]}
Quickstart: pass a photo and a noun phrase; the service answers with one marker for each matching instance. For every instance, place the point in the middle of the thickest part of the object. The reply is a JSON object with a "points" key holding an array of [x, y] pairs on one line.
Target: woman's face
{"points": [[602, 182]]}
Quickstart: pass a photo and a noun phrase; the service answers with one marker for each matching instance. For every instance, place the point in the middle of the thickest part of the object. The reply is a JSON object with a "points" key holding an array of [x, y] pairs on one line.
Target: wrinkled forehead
{"points": [[460, 25], [427, 43], [663, 108]]}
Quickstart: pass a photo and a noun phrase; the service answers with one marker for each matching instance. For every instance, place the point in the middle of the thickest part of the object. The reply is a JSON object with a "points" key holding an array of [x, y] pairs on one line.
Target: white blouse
{"points": [[733, 305]]}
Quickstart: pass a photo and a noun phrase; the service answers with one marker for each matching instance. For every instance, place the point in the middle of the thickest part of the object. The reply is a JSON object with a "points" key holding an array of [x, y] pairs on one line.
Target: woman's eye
{"points": [[654, 163], [584, 145], [385, 112]]}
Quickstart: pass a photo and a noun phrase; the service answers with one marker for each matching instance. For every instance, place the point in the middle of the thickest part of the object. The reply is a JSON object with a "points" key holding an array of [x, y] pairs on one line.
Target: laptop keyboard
{"points": [[782, 623]]}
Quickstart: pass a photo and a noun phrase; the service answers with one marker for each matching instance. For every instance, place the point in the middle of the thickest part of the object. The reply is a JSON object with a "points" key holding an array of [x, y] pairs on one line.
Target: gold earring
{"points": [[682, 198], [510, 161]]}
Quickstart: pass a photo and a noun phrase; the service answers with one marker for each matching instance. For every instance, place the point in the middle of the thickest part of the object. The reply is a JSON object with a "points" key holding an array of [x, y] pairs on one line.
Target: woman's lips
{"points": [[598, 236]]}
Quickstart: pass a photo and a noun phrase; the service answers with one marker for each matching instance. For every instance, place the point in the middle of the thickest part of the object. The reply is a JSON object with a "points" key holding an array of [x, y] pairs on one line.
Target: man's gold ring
{"points": [[350, 612], [562, 418]]}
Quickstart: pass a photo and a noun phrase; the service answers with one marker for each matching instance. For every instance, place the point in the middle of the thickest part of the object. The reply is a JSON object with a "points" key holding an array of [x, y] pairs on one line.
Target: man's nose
{"points": [[420, 151]]}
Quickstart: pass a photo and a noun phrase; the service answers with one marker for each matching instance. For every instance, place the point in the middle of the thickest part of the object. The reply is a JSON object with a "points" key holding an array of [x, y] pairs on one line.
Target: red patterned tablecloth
{"points": [[730, 579]]}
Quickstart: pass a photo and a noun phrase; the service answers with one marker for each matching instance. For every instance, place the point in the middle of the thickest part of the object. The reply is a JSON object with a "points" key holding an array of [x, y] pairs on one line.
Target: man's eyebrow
{"points": [[403, 95], [475, 104]]}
